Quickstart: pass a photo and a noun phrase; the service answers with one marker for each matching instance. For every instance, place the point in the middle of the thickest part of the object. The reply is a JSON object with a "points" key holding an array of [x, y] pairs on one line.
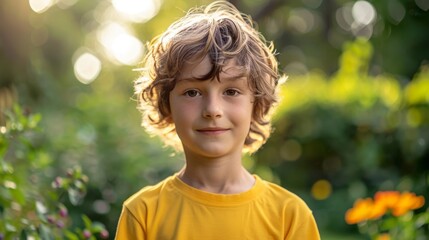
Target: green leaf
{"points": [[18, 196], [97, 227], [75, 196], [24, 235], [34, 120], [45, 232], [87, 221], [389, 223], [6, 168], [422, 219], [70, 235]]}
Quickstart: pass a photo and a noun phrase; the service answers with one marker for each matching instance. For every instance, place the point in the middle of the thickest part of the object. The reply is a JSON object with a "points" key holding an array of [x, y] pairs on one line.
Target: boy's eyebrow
{"points": [[234, 77], [226, 78]]}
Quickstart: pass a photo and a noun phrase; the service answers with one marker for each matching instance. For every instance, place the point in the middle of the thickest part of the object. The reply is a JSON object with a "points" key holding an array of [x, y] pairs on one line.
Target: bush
{"points": [[32, 204], [346, 136]]}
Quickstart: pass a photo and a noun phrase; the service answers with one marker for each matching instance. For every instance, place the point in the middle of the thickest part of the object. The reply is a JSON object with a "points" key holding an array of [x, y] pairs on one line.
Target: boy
{"points": [[211, 80]]}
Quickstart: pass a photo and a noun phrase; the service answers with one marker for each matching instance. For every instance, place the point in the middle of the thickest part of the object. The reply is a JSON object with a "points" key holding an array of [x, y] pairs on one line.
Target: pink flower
{"points": [[104, 234], [63, 212], [86, 234]]}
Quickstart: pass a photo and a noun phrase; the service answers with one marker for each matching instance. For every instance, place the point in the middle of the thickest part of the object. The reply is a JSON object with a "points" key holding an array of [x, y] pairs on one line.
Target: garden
{"points": [[351, 132]]}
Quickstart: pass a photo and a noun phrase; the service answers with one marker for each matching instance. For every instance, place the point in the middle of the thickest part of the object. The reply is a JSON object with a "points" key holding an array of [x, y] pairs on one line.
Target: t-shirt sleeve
{"points": [[306, 229], [129, 227]]}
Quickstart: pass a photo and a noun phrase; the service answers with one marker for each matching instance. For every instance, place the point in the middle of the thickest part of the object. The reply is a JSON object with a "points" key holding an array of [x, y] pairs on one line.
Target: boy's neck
{"points": [[217, 176]]}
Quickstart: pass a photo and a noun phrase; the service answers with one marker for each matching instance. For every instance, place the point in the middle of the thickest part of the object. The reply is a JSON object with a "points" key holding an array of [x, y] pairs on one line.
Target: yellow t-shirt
{"points": [[174, 210]]}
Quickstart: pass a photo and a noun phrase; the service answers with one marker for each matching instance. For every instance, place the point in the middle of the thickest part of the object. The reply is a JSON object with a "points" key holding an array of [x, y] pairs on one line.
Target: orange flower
{"points": [[387, 198], [407, 202], [384, 201], [379, 208], [369, 209], [361, 211]]}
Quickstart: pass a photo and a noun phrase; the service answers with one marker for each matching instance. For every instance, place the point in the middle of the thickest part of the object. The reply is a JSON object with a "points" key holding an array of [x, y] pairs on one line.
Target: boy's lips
{"points": [[212, 130]]}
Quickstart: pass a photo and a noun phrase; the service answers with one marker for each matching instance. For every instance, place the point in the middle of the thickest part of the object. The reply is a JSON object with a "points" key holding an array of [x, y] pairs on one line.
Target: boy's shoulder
{"points": [[147, 194], [277, 189], [284, 197]]}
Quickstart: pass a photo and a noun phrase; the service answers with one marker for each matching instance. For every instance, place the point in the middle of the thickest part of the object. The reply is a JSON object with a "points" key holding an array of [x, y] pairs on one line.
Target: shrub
{"points": [[32, 204]]}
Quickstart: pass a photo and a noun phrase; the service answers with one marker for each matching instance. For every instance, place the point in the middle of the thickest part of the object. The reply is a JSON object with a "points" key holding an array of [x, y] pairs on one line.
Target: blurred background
{"points": [[354, 116]]}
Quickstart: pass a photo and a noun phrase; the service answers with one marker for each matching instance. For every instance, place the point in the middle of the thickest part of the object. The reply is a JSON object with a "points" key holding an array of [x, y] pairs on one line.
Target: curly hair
{"points": [[222, 33]]}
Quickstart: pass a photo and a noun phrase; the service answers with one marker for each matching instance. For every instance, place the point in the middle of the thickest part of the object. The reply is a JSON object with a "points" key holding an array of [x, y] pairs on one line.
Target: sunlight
{"points": [[137, 11], [127, 49], [87, 67], [363, 13], [40, 6], [120, 44], [359, 18]]}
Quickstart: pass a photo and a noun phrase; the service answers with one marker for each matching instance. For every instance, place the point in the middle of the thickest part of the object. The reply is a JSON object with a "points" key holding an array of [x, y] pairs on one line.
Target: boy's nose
{"points": [[212, 107]]}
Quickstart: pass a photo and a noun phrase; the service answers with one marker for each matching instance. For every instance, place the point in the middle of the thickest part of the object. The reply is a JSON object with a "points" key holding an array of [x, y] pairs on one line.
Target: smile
{"points": [[212, 131]]}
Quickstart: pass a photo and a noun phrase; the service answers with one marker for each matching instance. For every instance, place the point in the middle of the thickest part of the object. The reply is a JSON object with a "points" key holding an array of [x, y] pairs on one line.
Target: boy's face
{"points": [[212, 117]]}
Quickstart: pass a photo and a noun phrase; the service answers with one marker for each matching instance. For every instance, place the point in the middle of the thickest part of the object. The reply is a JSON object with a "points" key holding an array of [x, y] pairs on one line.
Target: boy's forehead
{"points": [[198, 69]]}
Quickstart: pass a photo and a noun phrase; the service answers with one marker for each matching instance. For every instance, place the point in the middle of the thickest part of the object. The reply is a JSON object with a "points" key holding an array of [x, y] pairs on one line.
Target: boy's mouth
{"points": [[214, 130]]}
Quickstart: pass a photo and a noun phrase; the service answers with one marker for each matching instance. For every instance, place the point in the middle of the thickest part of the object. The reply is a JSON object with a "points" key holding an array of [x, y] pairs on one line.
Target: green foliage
{"points": [[361, 133], [30, 206]]}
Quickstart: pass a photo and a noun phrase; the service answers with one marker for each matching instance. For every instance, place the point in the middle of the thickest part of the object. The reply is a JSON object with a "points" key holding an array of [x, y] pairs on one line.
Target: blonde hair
{"points": [[222, 33]]}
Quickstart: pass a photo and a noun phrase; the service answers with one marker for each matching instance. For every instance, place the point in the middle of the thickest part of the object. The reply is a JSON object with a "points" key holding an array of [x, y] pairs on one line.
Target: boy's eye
{"points": [[231, 92], [192, 93]]}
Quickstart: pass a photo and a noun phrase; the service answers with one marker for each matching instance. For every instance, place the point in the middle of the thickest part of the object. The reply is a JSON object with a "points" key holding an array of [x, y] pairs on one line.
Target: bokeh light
{"points": [[64, 4], [101, 207], [301, 20], [321, 189], [40, 6], [291, 150], [359, 18], [136, 11], [414, 117], [120, 45], [423, 4], [396, 11], [87, 67], [363, 12], [9, 184]]}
